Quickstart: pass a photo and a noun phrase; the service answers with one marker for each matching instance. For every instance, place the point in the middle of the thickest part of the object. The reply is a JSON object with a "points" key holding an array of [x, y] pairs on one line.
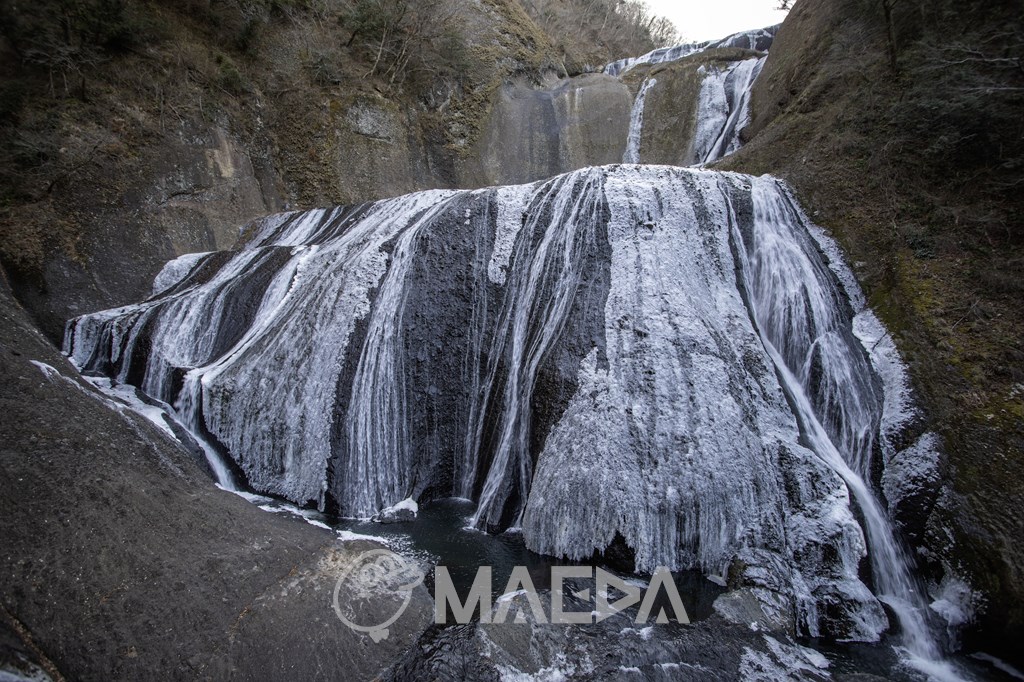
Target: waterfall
{"points": [[188, 412], [801, 317], [537, 302], [578, 355], [757, 39], [636, 123], [723, 108], [378, 468], [723, 101], [658, 56]]}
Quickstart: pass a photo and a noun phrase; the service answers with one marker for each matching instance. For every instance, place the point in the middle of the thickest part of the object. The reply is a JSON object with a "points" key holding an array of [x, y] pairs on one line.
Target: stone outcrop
{"points": [[121, 560]]}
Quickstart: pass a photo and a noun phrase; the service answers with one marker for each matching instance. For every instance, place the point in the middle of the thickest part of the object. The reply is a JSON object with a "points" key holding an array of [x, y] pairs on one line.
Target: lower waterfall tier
{"points": [[581, 356]]}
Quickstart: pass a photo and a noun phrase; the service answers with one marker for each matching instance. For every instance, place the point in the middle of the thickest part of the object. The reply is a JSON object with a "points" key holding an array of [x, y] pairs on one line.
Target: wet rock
{"points": [[108, 522], [743, 607], [405, 510], [615, 649], [911, 485]]}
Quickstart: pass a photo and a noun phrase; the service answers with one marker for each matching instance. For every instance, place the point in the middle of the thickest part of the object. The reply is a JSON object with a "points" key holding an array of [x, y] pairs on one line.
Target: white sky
{"points": [[700, 20]]}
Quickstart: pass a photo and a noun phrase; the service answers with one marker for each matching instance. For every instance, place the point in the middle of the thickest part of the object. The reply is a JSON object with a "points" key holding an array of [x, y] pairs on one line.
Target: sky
{"points": [[700, 20]]}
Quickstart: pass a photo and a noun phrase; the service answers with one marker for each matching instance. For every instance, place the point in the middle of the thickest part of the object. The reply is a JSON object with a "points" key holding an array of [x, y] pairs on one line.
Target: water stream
{"points": [[649, 355], [824, 371], [636, 123]]}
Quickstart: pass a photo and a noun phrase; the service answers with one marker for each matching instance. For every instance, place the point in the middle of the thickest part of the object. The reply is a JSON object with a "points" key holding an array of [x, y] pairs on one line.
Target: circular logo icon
{"points": [[374, 591]]}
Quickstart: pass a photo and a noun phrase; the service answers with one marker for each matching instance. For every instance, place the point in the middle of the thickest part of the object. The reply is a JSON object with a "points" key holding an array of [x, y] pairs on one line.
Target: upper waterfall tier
{"points": [[580, 355], [758, 39]]}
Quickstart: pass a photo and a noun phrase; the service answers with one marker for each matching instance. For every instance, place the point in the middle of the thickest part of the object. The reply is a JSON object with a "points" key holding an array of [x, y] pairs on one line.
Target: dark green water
{"points": [[440, 536]]}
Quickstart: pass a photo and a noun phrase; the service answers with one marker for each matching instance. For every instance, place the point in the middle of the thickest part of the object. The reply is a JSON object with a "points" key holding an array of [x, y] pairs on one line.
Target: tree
{"points": [[67, 36], [400, 36]]}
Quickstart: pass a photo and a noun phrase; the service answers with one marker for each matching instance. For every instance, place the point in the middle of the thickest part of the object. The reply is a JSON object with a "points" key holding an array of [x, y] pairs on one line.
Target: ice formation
{"points": [[662, 354], [758, 39]]}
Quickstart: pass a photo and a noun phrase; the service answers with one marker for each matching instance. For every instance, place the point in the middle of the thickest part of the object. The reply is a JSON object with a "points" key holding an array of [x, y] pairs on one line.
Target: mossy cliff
{"points": [[905, 140]]}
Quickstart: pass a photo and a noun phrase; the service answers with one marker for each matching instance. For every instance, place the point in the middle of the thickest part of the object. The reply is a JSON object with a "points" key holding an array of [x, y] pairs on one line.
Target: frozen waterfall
{"points": [[757, 39], [723, 108], [805, 320], [653, 353], [636, 123], [722, 111]]}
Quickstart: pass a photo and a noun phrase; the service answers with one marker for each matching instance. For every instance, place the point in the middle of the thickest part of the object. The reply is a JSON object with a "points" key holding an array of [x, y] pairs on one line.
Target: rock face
{"points": [[208, 116], [534, 133], [721, 649], [190, 198], [108, 522], [601, 336]]}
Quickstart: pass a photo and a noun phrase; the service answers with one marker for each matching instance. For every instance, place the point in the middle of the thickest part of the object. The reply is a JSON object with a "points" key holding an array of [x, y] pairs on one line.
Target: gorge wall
{"points": [[166, 147], [877, 130]]}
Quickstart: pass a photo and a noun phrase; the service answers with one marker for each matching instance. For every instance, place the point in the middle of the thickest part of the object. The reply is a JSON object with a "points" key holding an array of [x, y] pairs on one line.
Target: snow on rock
{"points": [[782, 663], [175, 270], [957, 604], [349, 536], [406, 510], [758, 39]]}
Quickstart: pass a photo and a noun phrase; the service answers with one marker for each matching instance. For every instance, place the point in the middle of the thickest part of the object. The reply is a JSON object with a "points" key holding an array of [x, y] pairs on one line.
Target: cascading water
{"points": [[636, 123], [538, 299], [378, 467], [806, 326], [758, 39], [723, 101], [577, 355], [723, 109]]}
